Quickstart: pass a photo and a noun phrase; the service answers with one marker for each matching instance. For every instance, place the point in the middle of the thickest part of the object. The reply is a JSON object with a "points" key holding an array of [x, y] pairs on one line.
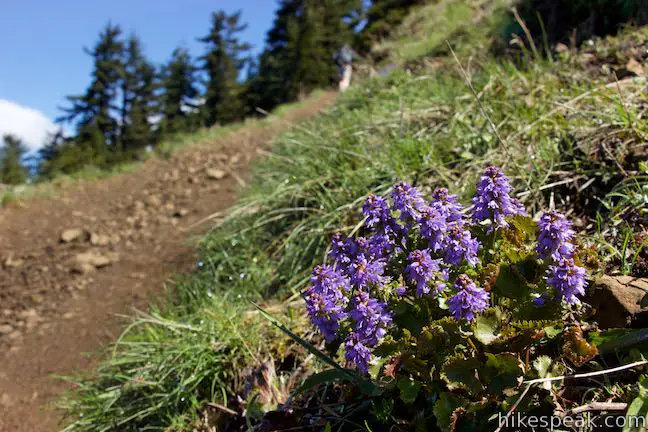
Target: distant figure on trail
{"points": [[344, 60]]}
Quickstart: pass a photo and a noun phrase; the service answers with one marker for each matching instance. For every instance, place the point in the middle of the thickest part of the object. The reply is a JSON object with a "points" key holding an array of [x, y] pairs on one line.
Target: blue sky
{"points": [[42, 58]]}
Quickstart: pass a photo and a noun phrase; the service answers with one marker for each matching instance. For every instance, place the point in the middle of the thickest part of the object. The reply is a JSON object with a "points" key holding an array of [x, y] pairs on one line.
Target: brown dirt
{"points": [[59, 299]]}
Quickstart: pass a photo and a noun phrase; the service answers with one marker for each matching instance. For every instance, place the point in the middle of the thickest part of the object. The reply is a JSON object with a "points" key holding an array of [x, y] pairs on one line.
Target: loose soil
{"points": [[70, 264]]}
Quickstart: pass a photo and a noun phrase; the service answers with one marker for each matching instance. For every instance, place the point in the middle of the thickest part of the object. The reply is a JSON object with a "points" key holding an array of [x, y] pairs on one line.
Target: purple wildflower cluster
{"points": [[555, 244], [493, 200], [469, 299], [415, 248]]}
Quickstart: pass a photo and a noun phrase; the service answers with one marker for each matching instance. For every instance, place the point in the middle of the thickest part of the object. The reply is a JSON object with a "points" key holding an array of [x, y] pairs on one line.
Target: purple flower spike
{"points": [[422, 270], [433, 227], [357, 353], [446, 205], [568, 279], [408, 201], [371, 318], [493, 201], [364, 272], [376, 210], [555, 237], [325, 311], [459, 245], [469, 299]]}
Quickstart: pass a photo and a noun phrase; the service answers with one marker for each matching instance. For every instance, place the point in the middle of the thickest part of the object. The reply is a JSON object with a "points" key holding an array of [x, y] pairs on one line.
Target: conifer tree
{"points": [[12, 153], [179, 94], [223, 63], [300, 47], [138, 98], [93, 111]]}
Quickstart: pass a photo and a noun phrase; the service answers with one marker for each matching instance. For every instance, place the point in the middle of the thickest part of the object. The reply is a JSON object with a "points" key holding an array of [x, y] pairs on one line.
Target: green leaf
{"points": [[644, 301], [488, 326], [638, 409], [524, 224], [542, 365], [510, 283], [324, 377], [546, 368], [461, 372], [501, 372], [445, 406], [618, 339], [409, 390], [304, 343], [366, 386]]}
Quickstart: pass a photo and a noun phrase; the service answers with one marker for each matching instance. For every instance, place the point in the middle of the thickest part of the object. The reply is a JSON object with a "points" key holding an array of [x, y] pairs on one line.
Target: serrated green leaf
{"points": [[524, 224], [488, 326], [461, 372], [409, 390], [542, 365], [501, 371], [445, 406]]}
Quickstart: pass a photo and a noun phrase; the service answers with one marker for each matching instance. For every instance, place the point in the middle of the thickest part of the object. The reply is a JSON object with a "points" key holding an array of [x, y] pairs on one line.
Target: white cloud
{"points": [[31, 125]]}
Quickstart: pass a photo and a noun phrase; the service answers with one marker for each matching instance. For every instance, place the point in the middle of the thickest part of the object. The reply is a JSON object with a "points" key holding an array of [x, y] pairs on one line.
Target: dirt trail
{"points": [[101, 248]]}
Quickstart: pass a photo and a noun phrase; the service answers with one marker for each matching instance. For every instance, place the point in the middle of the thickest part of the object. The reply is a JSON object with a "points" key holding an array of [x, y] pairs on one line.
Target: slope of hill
{"points": [[570, 131], [98, 248]]}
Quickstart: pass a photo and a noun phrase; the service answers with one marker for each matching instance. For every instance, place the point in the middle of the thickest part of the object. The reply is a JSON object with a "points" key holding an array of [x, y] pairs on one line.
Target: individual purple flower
{"points": [[492, 200], [371, 318], [376, 210], [407, 200], [433, 226], [364, 272], [469, 299], [459, 245], [379, 245], [568, 279], [447, 205], [554, 239], [325, 311], [327, 280], [341, 250], [424, 271], [357, 353], [401, 290]]}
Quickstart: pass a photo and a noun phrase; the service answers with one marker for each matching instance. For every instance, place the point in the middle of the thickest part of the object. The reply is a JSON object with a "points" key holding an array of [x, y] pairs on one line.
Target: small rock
{"points": [[5, 329], [181, 213], [235, 159], [216, 174], [85, 262], [37, 298], [153, 201], [12, 262], [6, 400], [616, 300], [28, 314], [635, 67], [99, 239], [69, 235]]}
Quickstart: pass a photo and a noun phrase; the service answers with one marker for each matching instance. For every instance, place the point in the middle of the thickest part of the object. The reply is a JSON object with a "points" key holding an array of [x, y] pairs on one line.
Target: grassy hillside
{"points": [[570, 132]]}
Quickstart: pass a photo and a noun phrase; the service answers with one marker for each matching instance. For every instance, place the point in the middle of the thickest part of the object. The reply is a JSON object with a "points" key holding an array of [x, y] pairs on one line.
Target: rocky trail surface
{"points": [[70, 264]]}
